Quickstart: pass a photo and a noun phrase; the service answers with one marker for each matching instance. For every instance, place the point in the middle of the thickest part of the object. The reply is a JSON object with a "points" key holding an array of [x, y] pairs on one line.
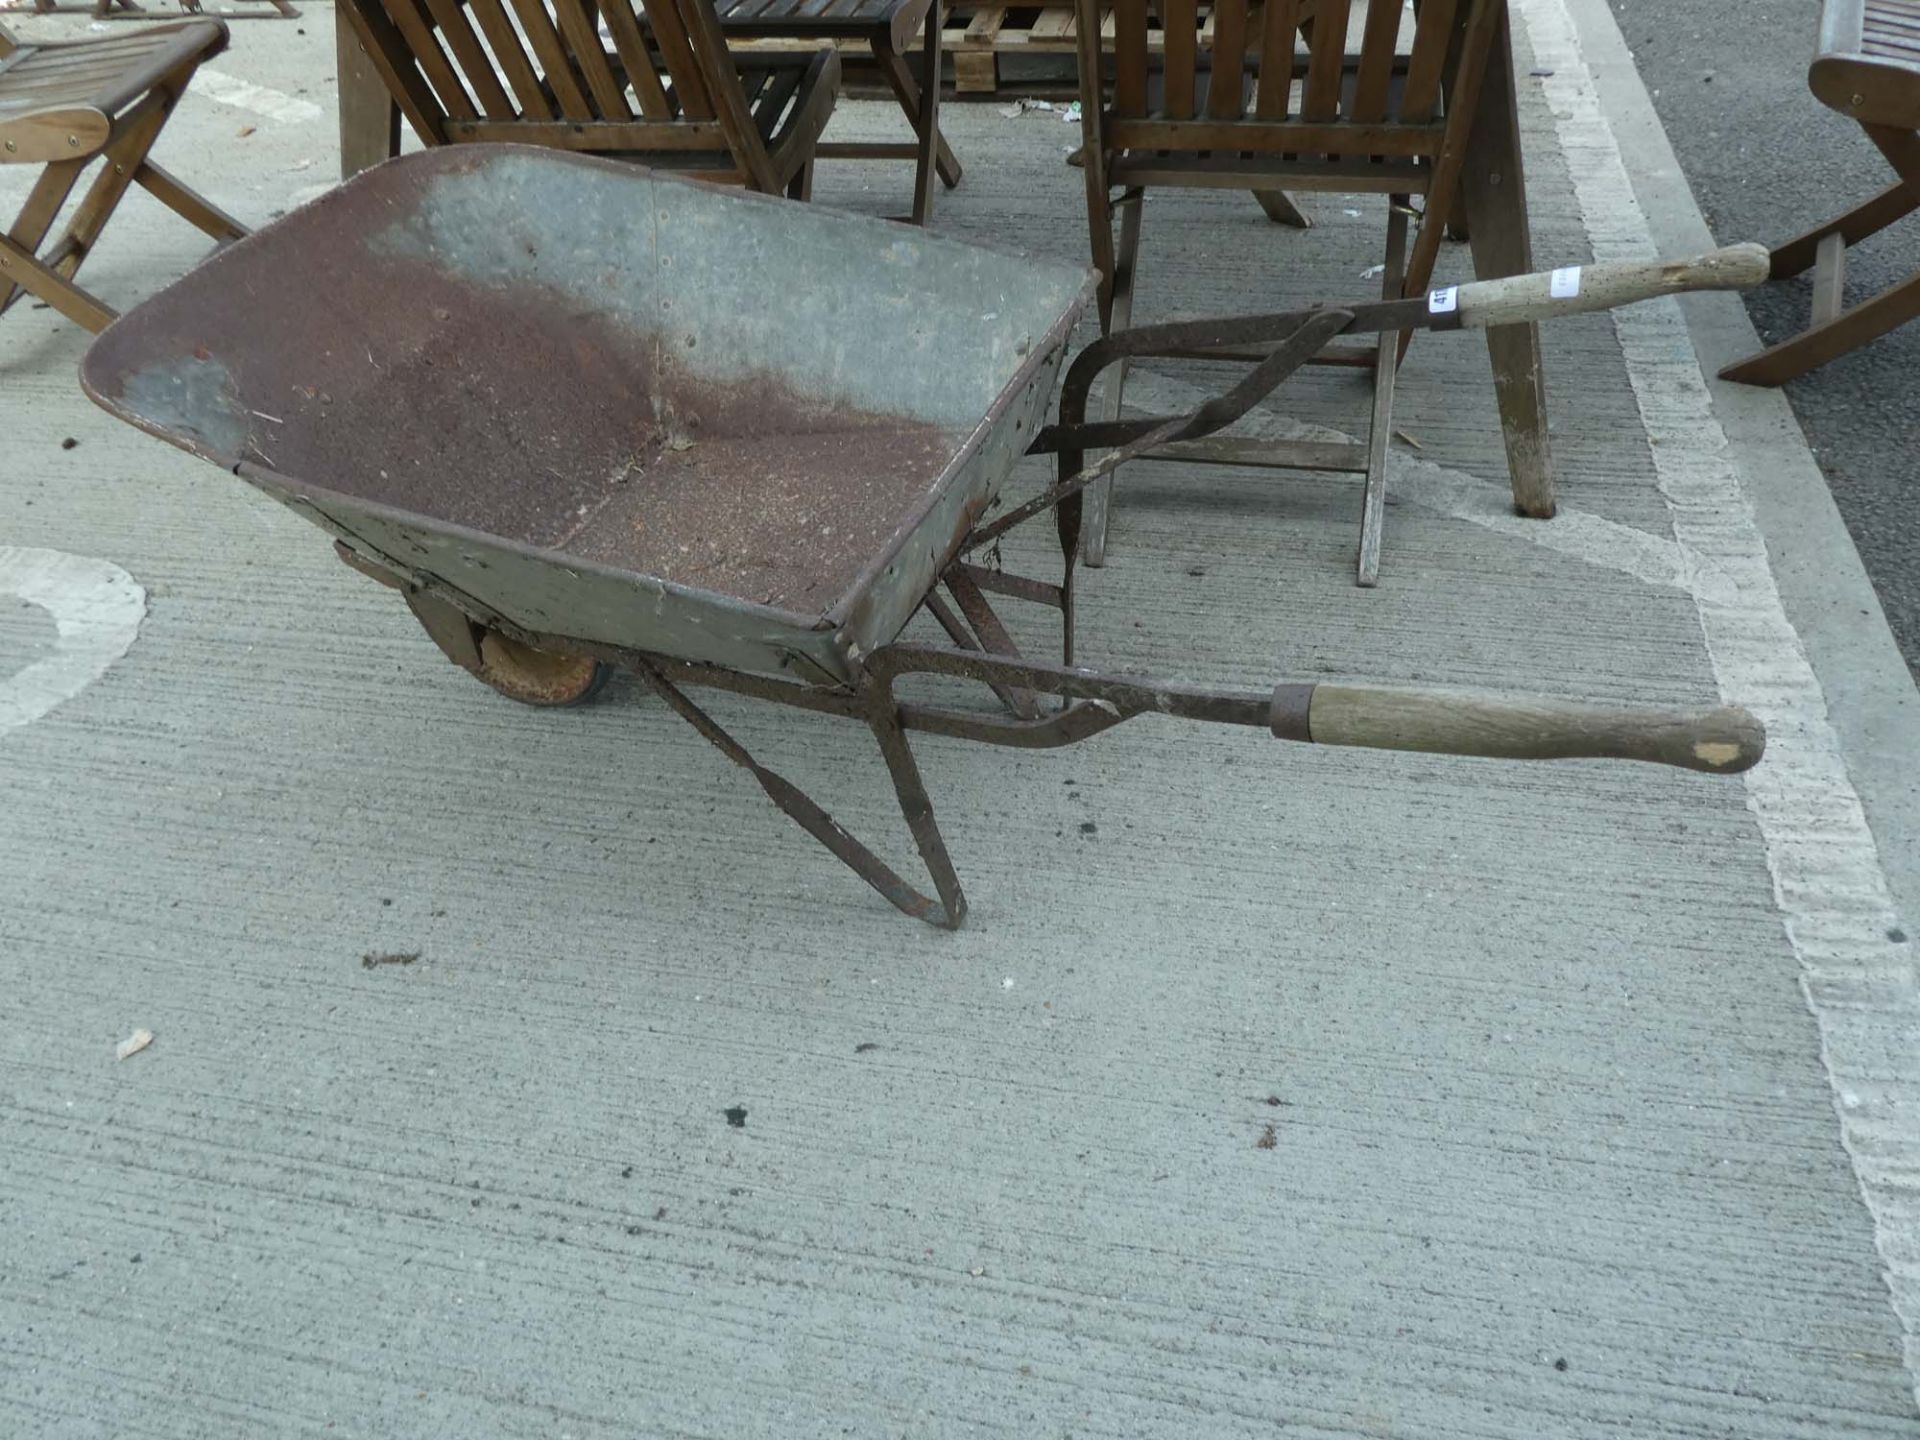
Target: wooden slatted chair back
{"points": [[1279, 77], [539, 72]]}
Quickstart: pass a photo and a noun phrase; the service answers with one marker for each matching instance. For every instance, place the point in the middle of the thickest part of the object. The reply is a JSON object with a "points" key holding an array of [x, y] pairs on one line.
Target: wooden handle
{"points": [[1723, 740], [1577, 288]]}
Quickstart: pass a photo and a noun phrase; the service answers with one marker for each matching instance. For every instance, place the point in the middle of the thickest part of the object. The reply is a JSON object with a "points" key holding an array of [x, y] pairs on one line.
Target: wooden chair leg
{"points": [[22, 274], [801, 186], [1386, 364], [1834, 329], [1098, 497], [369, 118], [1493, 191], [926, 119], [36, 217], [1281, 209], [121, 160], [1828, 340], [921, 104], [190, 205], [1893, 203]]}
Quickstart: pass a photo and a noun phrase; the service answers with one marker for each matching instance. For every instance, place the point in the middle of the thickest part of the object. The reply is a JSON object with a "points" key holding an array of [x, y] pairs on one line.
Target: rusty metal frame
{"points": [[1089, 703]]}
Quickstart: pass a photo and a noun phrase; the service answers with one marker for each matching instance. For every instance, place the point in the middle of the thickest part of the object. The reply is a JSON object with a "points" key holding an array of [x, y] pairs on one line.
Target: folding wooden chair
{"points": [[1245, 106], [1868, 69], [670, 94], [66, 105]]}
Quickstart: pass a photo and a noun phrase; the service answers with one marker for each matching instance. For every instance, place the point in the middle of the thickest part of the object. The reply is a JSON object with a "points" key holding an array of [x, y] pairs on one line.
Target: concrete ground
{"points": [[1347, 1093], [1768, 162]]}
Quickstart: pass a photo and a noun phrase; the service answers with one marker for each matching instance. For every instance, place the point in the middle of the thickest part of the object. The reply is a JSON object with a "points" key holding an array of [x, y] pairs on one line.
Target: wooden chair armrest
{"points": [[1852, 76], [57, 132]]}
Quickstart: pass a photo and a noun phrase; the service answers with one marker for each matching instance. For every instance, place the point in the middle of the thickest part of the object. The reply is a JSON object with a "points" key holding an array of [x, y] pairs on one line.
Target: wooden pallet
{"points": [[977, 36], [985, 33]]}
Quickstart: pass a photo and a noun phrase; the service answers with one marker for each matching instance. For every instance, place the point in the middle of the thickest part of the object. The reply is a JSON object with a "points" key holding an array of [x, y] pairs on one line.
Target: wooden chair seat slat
{"points": [[1431, 42], [1130, 57], [1226, 95], [1327, 53], [1180, 47], [775, 89], [110, 78], [670, 32], [1375, 72], [551, 60], [410, 20], [474, 62], [581, 29], [504, 41], [1280, 22], [635, 60]]}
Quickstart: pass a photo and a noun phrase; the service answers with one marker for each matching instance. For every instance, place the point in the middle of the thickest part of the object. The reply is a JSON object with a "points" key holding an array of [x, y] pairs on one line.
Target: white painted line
{"points": [[1828, 883], [97, 608], [272, 104]]}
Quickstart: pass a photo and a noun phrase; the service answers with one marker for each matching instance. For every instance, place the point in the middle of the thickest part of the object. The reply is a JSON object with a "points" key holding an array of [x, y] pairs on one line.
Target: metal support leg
{"points": [[950, 909], [1099, 496]]}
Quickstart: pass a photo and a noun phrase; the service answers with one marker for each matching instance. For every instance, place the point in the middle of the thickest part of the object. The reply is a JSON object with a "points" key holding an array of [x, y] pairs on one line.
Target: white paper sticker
{"points": [[1565, 284], [1443, 302]]}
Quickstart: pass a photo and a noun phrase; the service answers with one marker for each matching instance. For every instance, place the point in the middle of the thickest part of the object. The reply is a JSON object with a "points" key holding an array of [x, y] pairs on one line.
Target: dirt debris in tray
{"points": [[785, 520]]}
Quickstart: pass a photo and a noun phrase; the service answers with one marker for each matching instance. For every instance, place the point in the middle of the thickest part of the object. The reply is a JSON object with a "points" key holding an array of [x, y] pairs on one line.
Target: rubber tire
{"points": [[539, 677]]}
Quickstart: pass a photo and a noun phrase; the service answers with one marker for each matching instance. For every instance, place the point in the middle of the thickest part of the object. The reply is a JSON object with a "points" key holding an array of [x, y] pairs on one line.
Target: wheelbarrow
{"points": [[582, 416]]}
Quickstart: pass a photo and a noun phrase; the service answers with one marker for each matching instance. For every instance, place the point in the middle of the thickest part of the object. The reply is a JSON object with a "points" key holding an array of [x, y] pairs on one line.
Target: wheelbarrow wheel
{"points": [[539, 677], [519, 672]]}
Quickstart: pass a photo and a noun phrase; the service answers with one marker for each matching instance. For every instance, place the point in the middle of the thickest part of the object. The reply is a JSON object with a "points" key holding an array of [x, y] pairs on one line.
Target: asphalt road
{"points": [[1768, 161]]}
